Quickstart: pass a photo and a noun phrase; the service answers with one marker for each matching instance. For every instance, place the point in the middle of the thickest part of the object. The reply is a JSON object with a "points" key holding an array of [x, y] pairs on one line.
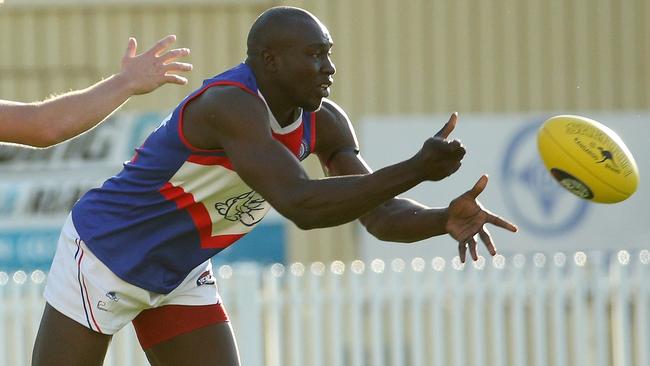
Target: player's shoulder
{"points": [[331, 112], [333, 129], [226, 100], [332, 119]]}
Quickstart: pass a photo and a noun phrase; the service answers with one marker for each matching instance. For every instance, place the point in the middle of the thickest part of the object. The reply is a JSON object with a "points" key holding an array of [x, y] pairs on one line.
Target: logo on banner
{"points": [[537, 202]]}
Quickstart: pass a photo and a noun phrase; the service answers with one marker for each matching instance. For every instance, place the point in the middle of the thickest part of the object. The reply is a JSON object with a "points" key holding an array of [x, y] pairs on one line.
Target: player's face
{"points": [[307, 68]]}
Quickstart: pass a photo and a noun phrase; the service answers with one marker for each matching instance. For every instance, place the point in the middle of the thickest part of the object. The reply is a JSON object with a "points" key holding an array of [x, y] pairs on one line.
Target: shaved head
{"points": [[277, 28], [289, 53]]}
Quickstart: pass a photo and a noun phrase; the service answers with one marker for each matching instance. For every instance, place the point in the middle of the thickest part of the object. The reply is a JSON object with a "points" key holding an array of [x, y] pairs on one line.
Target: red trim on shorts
{"points": [[161, 324], [90, 305], [82, 282]]}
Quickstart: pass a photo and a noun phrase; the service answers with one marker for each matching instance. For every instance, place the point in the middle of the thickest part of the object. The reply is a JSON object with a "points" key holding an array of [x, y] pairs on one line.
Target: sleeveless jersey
{"points": [[173, 206]]}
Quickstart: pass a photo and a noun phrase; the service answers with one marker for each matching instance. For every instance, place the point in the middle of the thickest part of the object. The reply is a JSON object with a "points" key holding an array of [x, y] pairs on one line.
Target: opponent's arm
{"points": [[43, 124], [400, 219], [230, 118]]}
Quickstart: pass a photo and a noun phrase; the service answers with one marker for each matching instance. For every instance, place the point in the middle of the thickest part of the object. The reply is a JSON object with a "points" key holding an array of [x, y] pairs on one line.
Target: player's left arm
{"points": [[402, 219], [43, 124]]}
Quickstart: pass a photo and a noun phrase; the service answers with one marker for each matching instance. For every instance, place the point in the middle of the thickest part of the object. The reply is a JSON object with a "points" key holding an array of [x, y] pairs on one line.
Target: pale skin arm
{"points": [[401, 219], [43, 124]]}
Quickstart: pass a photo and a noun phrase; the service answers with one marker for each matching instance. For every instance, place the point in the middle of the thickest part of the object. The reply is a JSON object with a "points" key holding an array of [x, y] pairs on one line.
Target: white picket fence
{"points": [[539, 310]]}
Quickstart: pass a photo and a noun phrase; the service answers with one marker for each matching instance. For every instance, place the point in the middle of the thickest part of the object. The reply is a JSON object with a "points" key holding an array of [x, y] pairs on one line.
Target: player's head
{"points": [[290, 48]]}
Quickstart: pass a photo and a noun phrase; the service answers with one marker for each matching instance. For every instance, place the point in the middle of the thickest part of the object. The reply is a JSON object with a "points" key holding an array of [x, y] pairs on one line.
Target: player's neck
{"points": [[284, 112]]}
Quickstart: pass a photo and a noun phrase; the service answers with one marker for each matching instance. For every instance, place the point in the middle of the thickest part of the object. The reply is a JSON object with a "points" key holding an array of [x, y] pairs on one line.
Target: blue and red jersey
{"points": [[173, 206]]}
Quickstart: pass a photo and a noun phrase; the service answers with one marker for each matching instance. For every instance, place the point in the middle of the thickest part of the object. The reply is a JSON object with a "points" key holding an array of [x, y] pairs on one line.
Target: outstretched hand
{"points": [[151, 69], [467, 219]]}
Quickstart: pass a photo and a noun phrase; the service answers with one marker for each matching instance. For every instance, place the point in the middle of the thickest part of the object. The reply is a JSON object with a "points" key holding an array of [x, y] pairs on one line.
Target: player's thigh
{"points": [[211, 345], [63, 341]]}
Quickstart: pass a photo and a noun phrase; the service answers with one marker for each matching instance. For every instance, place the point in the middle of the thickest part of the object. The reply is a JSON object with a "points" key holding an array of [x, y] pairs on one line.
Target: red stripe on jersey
{"points": [[160, 324], [200, 216], [211, 160], [292, 139]]}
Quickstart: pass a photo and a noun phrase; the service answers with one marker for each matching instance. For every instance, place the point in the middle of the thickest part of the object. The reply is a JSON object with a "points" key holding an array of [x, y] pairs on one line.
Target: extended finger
{"points": [[498, 221], [131, 47], [175, 79], [486, 238], [471, 243], [478, 187], [171, 55], [446, 130], [162, 45], [177, 66], [462, 250]]}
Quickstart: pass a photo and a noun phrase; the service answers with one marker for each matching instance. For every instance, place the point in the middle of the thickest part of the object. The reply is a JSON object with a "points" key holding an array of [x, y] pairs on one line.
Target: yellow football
{"points": [[588, 158]]}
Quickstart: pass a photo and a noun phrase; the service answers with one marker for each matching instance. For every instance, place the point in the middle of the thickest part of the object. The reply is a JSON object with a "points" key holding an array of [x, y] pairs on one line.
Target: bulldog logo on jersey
{"points": [[246, 208]]}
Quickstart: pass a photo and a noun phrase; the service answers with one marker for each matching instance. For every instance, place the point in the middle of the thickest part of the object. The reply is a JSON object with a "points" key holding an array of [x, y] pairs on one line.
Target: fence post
{"points": [[642, 274], [538, 310], [296, 309], [273, 300], [248, 302], [357, 293], [600, 301], [4, 316], [334, 303], [621, 329], [558, 316]]}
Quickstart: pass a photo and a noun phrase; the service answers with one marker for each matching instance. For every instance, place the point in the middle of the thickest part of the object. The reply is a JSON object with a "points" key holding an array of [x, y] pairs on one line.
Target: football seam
{"points": [[584, 167]]}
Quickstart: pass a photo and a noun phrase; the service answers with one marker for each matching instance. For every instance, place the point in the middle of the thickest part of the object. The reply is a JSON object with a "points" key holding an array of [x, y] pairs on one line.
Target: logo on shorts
{"points": [[106, 306], [205, 279], [111, 295], [101, 305]]}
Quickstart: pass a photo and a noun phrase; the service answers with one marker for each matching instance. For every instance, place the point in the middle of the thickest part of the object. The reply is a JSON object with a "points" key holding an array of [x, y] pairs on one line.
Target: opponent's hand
{"points": [[440, 157], [151, 69], [467, 219]]}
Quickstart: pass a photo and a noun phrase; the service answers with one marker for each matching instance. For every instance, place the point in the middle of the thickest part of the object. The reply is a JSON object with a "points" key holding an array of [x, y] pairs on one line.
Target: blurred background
{"points": [[402, 68]]}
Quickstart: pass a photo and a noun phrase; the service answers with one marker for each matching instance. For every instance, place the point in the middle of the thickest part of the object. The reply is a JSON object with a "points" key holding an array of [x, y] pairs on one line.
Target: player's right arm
{"points": [[230, 118]]}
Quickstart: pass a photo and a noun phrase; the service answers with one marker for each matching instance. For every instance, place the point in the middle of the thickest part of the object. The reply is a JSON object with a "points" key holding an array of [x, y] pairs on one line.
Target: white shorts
{"points": [[82, 288]]}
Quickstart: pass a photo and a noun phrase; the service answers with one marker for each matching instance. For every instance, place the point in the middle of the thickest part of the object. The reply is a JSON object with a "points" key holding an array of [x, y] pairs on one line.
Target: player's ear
{"points": [[269, 60]]}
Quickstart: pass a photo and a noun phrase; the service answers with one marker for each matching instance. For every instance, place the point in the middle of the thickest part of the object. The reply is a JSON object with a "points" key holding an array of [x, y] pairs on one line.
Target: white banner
{"points": [[520, 189]]}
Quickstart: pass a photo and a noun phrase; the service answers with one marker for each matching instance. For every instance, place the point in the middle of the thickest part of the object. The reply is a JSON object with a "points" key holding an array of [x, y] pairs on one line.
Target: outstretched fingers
{"points": [[172, 55], [486, 238], [502, 223], [177, 66], [470, 244], [162, 45]]}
